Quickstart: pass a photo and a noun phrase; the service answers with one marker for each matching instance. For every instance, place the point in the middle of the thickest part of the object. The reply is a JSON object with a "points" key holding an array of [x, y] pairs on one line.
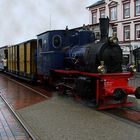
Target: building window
{"points": [[94, 17], [113, 13], [137, 4], [137, 31], [102, 13], [127, 32], [126, 10], [114, 30]]}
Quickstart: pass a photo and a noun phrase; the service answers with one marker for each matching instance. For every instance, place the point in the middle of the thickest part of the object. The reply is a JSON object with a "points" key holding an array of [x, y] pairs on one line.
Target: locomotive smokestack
{"points": [[104, 28]]}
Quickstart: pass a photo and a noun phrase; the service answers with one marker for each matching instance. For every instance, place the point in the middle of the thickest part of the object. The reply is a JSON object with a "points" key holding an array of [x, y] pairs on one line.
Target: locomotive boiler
{"points": [[88, 57]]}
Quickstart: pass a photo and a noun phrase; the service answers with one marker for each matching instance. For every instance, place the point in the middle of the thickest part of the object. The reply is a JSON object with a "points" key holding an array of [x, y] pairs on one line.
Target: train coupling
{"points": [[137, 93]]}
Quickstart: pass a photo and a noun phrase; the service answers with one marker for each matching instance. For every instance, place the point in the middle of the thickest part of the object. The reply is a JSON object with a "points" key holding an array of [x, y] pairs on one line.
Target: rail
{"points": [[16, 116]]}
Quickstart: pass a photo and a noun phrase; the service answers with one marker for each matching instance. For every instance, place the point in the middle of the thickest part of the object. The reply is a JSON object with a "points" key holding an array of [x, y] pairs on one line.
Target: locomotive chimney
{"points": [[104, 28]]}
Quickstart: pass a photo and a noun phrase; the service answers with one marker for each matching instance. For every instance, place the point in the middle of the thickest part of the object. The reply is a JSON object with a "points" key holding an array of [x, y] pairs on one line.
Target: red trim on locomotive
{"points": [[106, 86]]}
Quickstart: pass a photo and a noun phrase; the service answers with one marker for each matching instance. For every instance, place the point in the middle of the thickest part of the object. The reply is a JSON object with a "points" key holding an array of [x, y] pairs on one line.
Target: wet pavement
{"points": [[63, 119], [17, 95]]}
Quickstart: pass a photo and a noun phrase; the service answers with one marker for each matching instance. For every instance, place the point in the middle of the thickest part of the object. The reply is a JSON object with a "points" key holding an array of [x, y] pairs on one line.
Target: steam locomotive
{"points": [[76, 64]]}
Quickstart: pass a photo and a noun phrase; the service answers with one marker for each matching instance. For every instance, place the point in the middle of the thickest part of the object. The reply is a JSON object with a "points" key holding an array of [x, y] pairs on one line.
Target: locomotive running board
{"points": [[105, 87]]}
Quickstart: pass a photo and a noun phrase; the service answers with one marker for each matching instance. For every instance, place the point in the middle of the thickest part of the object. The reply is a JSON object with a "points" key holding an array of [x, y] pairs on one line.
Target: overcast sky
{"points": [[21, 20]]}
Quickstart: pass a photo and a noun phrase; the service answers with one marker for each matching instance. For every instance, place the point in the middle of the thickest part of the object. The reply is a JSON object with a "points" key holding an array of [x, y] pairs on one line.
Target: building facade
{"points": [[124, 18]]}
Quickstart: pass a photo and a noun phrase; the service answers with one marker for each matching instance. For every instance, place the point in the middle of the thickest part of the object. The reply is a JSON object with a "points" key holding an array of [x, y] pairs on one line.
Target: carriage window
{"points": [[45, 41], [57, 41], [40, 43]]}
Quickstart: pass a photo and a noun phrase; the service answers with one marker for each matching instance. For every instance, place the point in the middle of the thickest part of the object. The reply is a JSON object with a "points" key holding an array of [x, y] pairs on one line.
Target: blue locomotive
{"points": [[56, 49], [64, 49], [74, 61]]}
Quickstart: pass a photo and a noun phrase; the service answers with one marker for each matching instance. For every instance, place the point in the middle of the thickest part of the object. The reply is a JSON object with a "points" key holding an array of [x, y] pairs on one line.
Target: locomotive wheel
{"points": [[119, 94], [61, 90]]}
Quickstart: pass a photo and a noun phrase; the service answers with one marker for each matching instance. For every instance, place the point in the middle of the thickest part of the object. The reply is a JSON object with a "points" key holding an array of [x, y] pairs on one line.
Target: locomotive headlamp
{"points": [[132, 68], [101, 68]]}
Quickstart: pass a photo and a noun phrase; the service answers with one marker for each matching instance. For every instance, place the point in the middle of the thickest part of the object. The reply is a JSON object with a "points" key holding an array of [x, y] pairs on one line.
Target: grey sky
{"points": [[21, 20]]}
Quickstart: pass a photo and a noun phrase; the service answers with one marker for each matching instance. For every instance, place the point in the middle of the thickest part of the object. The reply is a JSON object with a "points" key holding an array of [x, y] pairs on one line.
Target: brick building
{"points": [[124, 18]]}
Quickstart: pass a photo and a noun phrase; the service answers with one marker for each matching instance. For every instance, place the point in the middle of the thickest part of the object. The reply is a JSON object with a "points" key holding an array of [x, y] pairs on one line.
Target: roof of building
{"points": [[97, 3]]}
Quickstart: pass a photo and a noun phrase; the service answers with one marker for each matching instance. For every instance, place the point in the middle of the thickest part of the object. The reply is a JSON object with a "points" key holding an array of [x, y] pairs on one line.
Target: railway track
{"points": [[37, 89]]}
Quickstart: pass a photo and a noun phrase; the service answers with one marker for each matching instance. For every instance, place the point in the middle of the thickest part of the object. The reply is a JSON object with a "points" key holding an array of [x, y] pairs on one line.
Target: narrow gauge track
{"points": [[37, 89], [130, 114], [29, 136]]}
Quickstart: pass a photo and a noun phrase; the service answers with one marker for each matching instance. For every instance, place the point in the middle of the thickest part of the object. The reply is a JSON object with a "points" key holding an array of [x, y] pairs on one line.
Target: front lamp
{"points": [[132, 68]]}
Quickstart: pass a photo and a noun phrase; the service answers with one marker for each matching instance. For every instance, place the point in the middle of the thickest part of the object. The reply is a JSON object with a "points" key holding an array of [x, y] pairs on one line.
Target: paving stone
{"points": [[10, 129], [63, 119]]}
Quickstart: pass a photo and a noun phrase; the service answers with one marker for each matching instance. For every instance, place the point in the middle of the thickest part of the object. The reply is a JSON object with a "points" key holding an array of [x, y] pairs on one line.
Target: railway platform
{"points": [[53, 117]]}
